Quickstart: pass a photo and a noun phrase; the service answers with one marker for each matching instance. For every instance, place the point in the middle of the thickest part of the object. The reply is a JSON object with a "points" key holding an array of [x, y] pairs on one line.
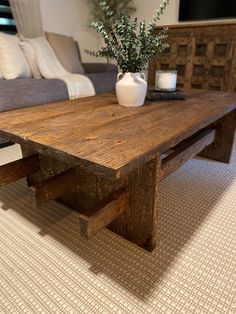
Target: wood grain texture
{"points": [[185, 151], [102, 214], [53, 187], [108, 139], [18, 169], [33, 178], [221, 149], [139, 223]]}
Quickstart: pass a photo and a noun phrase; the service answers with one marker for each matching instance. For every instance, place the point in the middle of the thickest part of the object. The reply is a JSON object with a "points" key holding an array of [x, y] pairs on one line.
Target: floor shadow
{"points": [[187, 198]]}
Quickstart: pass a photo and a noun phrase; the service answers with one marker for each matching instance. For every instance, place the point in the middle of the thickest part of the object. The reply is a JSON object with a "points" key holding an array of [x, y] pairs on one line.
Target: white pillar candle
{"points": [[166, 80]]}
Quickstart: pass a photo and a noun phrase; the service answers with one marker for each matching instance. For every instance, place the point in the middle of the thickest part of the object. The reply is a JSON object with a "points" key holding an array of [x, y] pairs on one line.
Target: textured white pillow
{"points": [[30, 55], [13, 63]]}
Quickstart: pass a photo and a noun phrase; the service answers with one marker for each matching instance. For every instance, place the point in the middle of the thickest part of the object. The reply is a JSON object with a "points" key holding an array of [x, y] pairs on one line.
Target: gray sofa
{"points": [[21, 93], [28, 92]]}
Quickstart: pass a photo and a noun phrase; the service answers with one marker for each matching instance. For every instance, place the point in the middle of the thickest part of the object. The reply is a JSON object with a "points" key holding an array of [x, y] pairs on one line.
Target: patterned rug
{"points": [[45, 267]]}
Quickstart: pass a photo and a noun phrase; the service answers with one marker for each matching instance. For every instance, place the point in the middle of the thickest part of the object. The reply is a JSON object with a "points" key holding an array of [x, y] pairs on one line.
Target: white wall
{"points": [[70, 17], [146, 10]]}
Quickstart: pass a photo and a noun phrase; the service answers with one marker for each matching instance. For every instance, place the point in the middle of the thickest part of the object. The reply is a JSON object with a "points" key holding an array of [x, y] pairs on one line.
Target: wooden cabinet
{"points": [[203, 54]]}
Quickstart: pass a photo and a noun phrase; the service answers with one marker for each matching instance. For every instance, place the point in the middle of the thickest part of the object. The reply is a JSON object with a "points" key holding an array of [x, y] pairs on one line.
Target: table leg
{"points": [[221, 149], [32, 179], [139, 223]]}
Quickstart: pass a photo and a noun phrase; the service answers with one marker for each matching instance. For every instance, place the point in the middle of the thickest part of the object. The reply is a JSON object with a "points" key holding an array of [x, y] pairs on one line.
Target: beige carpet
{"points": [[45, 267]]}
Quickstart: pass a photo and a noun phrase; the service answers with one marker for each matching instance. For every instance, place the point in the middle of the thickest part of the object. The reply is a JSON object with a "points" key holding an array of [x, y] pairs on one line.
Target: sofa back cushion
{"points": [[13, 63], [1, 77], [66, 50], [30, 55]]}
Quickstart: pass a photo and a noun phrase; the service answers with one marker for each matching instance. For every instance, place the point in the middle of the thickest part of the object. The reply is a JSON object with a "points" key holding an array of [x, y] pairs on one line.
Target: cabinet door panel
{"points": [[200, 63], [219, 60]]}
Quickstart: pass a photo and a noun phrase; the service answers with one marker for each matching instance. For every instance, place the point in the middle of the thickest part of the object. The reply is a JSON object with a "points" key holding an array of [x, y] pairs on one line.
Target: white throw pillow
{"points": [[30, 55], [13, 63]]}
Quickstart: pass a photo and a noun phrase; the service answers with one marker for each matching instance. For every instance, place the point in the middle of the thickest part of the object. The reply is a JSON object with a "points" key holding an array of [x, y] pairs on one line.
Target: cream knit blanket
{"points": [[78, 85]]}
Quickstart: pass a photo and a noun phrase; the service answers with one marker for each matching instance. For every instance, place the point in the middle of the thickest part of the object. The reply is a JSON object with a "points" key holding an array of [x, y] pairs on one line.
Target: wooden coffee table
{"points": [[106, 161]]}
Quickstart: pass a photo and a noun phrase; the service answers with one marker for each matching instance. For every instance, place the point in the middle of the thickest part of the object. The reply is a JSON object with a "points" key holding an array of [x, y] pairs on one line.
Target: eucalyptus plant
{"points": [[129, 42], [117, 8]]}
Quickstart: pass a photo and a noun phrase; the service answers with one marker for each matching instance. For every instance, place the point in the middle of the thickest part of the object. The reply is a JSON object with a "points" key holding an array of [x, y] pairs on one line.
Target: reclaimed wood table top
{"points": [[98, 133]]}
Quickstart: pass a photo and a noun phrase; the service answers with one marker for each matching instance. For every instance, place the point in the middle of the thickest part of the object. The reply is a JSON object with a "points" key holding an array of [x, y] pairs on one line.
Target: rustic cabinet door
{"points": [[199, 73], [220, 56], [182, 52]]}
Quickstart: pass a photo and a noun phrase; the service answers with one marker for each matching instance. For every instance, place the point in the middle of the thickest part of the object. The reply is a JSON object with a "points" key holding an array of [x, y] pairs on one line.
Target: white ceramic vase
{"points": [[131, 89]]}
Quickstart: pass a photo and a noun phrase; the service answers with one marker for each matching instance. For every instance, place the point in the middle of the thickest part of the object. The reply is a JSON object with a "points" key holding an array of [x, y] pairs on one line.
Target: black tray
{"points": [[154, 95]]}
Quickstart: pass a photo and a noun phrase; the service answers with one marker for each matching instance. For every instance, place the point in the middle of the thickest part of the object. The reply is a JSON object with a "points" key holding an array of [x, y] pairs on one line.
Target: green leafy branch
{"points": [[109, 11], [129, 42]]}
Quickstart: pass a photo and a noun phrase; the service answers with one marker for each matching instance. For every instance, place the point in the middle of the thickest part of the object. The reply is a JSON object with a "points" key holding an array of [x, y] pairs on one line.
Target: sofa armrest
{"points": [[99, 67]]}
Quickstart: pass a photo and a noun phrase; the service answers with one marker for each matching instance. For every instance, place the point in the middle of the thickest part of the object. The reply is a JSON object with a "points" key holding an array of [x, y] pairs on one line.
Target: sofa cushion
{"points": [[28, 92], [13, 63], [66, 51], [30, 55], [1, 77]]}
